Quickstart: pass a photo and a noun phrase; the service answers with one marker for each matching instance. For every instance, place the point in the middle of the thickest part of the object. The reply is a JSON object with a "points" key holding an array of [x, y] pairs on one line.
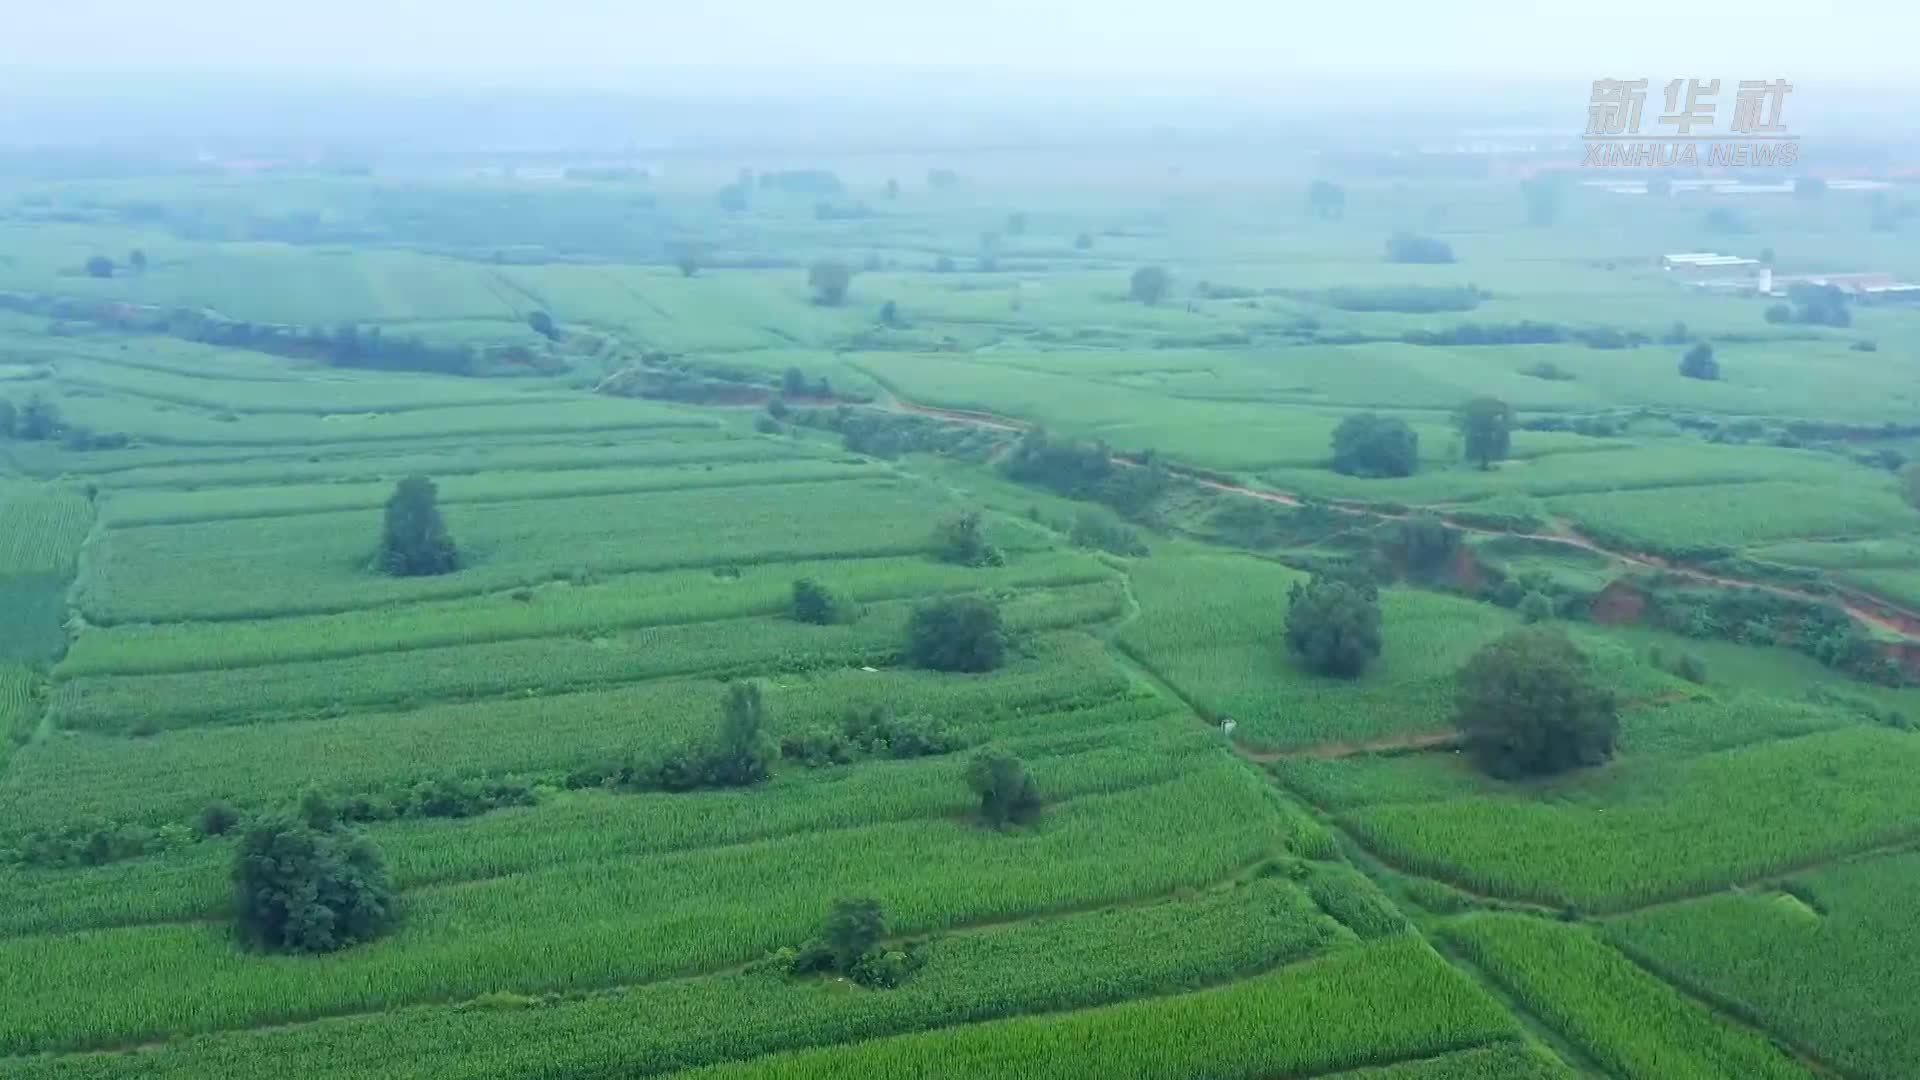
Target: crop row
{"points": [[128, 508], [156, 421], [228, 466], [1064, 962], [1215, 627], [143, 704], [598, 924], [1651, 829], [334, 392], [1827, 962], [673, 596], [320, 562], [19, 712], [1501, 1061], [1134, 748], [1634, 1025], [1736, 515], [41, 528], [170, 776], [1381, 1002]]}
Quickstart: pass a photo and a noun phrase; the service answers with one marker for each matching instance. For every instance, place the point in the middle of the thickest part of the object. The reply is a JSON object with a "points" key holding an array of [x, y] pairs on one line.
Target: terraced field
{"points": [[1227, 863]]}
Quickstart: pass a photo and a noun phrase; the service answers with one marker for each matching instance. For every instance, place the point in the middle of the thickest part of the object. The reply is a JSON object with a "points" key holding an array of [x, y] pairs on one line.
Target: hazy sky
{"points": [[646, 43]]}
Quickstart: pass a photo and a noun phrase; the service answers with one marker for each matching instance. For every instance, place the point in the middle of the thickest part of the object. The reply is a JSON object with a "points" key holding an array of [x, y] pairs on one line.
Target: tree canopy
{"points": [[1150, 284], [1007, 793], [1486, 423], [829, 280], [1699, 363], [1406, 247], [415, 541], [815, 603], [1326, 199], [1333, 625], [962, 539], [960, 633], [100, 266], [1528, 704], [306, 888], [1368, 444]]}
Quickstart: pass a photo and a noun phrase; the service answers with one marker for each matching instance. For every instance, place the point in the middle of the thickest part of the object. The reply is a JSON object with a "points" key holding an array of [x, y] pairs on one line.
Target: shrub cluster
{"points": [[873, 732]]}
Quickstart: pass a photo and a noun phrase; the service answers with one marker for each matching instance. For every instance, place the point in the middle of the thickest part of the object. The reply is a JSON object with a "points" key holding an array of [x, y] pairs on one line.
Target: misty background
{"points": [[356, 77]]}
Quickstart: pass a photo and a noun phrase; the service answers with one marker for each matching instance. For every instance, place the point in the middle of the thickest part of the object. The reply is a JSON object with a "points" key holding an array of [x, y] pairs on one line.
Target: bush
{"points": [[872, 732], [1528, 705], [1411, 299], [304, 889], [962, 540], [1429, 545], [1699, 363], [1406, 247], [1094, 529], [1371, 445], [815, 603], [414, 541], [962, 633], [817, 746], [849, 945], [1150, 284], [740, 754], [217, 819], [1334, 625], [829, 280], [1686, 665], [877, 732], [1536, 607], [1007, 794]]}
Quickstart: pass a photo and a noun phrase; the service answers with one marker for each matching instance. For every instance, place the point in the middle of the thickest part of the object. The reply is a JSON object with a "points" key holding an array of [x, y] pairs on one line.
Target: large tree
{"points": [[1150, 284], [1333, 625], [960, 633], [39, 421], [1326, 199], [302, 888], [1486, 423], [829, 280], [745, 752], [962, 539], [1007, 794], [1543, 194], [415, 542], [1368, 444], [815, 603], [1699, 363], [1528, 704]]}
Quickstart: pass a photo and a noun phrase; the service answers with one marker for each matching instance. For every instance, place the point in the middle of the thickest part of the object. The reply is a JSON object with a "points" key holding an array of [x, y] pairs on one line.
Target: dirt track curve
{"points": [[1864, 607]]}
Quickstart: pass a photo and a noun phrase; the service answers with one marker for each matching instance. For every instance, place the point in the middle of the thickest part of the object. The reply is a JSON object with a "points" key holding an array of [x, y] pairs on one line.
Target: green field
{"points": [[222, 603]]}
